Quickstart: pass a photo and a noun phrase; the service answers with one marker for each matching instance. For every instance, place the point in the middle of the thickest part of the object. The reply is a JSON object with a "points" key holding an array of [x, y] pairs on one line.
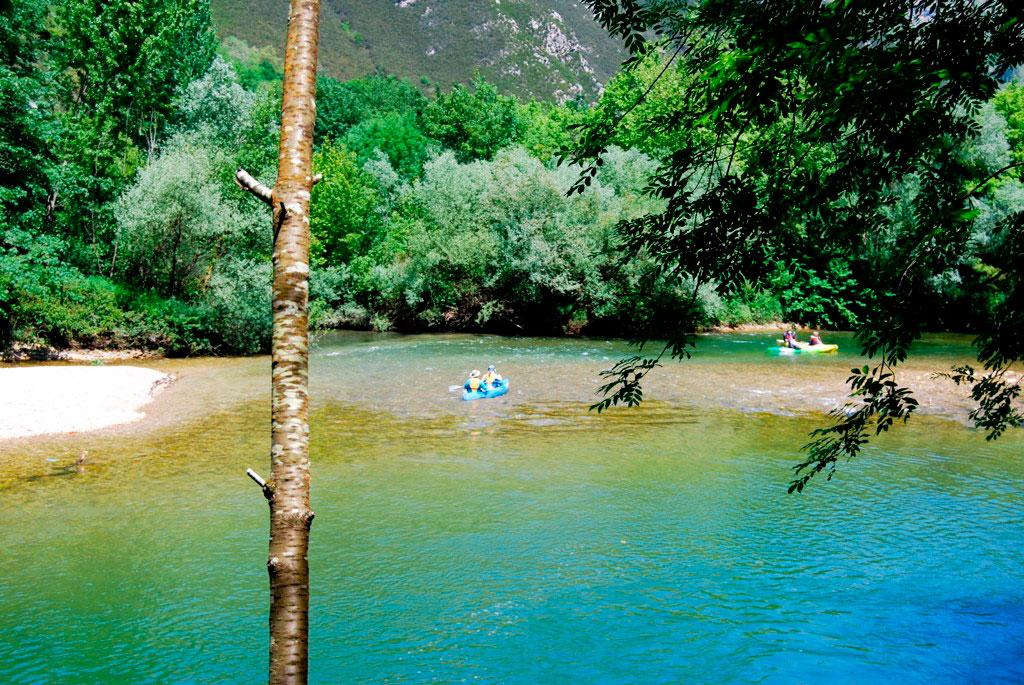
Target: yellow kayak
{"points": [[804, 348]]}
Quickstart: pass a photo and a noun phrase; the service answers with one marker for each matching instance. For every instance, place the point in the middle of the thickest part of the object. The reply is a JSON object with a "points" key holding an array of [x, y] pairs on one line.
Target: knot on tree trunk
{"points": [[302, 520], [280, 214]]}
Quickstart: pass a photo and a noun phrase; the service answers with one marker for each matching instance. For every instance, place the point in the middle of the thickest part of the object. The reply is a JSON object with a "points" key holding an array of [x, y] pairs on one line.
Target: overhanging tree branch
{"points": [[993, 175]]}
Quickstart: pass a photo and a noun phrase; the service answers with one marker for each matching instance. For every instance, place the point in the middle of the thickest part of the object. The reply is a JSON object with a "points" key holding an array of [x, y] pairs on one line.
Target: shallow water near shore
{"points": [[524, 539]]}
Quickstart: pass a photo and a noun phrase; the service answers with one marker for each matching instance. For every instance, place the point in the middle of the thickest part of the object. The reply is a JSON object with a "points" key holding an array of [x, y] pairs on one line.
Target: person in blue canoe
{"points": [[474, 383], [492, 375]]}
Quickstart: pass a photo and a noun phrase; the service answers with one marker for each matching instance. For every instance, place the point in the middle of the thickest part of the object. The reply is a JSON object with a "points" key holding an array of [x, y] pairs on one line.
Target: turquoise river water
{"points": [[524, 539]]}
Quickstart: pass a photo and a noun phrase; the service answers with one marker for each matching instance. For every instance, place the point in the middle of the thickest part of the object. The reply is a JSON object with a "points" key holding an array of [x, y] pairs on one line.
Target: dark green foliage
{"points": [[342, 105], [120, 63], [474, 123], [397, 136], [25, 127], [118, 66], [346, 217], [828, 296], [49, 304], [751, 304]]}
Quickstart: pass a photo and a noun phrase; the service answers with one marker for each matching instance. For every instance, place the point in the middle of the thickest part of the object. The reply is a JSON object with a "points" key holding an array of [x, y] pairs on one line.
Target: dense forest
{"points": [[124, 123]]}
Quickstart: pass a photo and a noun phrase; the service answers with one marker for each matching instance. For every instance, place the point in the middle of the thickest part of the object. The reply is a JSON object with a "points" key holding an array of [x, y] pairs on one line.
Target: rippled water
{"points": [[520, 540]]}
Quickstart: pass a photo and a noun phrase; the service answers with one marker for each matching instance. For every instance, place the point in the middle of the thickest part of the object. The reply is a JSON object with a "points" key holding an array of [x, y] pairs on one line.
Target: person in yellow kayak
{"points": [[491, 375], [815, 338], [789, 340], [475, 383]]}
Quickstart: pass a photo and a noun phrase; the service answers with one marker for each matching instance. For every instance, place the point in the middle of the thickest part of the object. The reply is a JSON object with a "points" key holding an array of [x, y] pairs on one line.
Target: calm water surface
{"points": [[521, 540]]}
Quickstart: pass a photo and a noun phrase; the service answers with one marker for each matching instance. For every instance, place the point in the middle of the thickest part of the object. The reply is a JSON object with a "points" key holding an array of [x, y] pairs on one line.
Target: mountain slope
{"points": [[551, 49]]}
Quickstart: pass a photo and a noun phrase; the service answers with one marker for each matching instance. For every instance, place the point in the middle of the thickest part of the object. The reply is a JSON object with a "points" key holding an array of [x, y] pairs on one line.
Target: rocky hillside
{"points": [[546, 48]]}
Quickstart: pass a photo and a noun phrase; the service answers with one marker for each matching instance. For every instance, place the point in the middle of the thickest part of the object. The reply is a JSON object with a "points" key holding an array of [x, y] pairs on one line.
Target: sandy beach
{"points": [[39, 400]]}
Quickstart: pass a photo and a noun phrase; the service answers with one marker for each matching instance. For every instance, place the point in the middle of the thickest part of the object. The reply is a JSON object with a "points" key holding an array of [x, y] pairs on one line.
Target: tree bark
{"points": [[288, 488]]}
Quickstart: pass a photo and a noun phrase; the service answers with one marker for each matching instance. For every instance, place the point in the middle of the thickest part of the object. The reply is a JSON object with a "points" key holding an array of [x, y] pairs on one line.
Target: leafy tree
{"points": [[346, 215], [238, 299], [256, 149], [643, 100], [1009, 102], [216, 104], [173, 223], [547, 128], [796, 123], [397, 136], [342, 105], [26, 129], [497, 244], [475, 123], [122, 61], [119, 64], [827, 295], [26, 133]]}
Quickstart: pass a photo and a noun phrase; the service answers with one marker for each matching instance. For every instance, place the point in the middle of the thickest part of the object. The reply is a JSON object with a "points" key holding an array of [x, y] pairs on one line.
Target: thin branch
{"points": [[991, 176], [267, 488], [247, 182], [650, 87], [732, 155], [935, 231], [256, 478]]}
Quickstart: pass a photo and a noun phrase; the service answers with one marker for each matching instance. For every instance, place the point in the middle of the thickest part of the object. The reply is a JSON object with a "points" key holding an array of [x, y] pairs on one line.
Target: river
{"points": [[523, 539]]}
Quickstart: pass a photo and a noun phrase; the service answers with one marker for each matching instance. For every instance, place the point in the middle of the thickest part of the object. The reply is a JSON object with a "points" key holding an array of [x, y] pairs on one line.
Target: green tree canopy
{"points": [[397, 136], [118, 66], [344, 104], [173, 222], [474, 123], [122, 62], [346, 216], [28, 127], [217, 104]]}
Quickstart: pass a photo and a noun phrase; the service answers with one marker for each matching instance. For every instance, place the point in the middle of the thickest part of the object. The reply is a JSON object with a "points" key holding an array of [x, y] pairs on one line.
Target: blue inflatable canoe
{"points": [[497, 389]]}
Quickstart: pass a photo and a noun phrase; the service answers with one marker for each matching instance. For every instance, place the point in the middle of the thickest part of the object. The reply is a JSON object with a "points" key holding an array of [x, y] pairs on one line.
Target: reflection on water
{"points": [[518, 540]]}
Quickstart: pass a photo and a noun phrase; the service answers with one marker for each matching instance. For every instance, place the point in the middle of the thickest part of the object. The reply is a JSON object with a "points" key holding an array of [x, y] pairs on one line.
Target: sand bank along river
{"points": [[525, 539], [36, 400]]}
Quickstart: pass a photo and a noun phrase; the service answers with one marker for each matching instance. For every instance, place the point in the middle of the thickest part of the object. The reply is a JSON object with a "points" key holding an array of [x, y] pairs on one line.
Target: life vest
{"points": [[491, 377], [473, 384]]}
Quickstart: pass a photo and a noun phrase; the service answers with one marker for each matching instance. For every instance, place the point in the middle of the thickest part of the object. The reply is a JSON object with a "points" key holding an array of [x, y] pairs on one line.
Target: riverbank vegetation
{"points": [[871, 149], [438, 210]]}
